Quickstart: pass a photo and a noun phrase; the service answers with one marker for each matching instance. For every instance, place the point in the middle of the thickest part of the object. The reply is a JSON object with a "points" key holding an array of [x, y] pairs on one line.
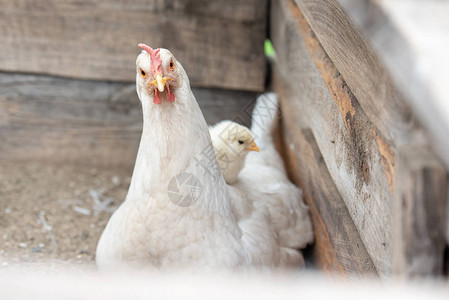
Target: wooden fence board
{"points": [[391, 82], [364, 73], [218, 44], [338, 246], [410, 38], [90, 122], [359, 159], [369, 171]]}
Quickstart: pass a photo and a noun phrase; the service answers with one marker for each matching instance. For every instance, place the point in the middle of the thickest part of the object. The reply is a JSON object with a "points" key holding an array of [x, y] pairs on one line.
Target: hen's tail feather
{"points": [[264, 117]]}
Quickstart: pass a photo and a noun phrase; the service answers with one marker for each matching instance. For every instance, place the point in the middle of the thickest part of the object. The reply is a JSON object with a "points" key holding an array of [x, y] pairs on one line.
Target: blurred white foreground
{"points": [[21, 283]]}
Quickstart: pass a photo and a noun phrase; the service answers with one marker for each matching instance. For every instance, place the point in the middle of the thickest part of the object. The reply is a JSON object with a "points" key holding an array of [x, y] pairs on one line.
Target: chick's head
{"points": [[235, 138], [232, 142]]}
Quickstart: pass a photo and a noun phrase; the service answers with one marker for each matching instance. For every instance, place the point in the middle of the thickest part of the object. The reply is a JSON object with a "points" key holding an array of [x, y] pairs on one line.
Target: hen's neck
{"points": [[175, 140]]}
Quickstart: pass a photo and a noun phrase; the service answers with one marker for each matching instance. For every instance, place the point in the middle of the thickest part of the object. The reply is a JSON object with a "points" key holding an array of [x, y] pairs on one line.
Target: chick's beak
{"points": [[253, 146], [159, 82]]}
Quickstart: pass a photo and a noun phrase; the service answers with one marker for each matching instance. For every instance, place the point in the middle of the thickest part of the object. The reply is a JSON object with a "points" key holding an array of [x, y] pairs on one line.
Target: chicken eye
{"points": [[172, 65], [142, 72], [240, 142]]}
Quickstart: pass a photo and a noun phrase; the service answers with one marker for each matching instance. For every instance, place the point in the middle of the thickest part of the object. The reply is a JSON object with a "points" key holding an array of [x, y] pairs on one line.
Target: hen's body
{"points": [[265, 181], [149, 229]]}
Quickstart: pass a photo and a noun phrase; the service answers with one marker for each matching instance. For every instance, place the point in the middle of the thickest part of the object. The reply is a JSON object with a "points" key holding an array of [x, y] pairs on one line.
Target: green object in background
{"points": [[269, 49]]}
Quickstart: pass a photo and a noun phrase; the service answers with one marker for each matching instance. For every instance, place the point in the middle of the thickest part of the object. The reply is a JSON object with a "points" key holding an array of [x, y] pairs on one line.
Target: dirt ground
{"points": [[55, 212]]}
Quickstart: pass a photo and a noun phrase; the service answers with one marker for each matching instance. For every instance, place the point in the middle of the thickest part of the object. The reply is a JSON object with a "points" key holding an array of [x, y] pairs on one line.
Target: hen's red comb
{"points": [[155, 59], [146, 48]]}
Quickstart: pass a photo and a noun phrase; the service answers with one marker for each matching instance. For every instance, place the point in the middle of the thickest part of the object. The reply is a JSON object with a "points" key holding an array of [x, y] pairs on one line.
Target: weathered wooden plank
{"points": [[395, 91], [362, 70], [220, 43], [419, 214], [410, 37], [359, 159], [338, 246], [74, 121]]}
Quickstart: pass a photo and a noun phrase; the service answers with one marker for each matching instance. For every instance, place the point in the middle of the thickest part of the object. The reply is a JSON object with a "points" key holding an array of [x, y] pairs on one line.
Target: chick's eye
{"points": [[142, 72], [240, 142], [172, 65]]}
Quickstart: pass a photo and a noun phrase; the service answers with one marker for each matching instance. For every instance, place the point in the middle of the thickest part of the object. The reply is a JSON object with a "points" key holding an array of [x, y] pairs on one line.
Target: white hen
{"points": [[177, 213], [263, 177]]}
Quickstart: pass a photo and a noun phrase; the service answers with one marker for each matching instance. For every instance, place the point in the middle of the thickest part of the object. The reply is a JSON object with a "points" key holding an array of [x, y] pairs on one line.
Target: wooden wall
{"points": [[67, 70], [87, 122], [220, 43], [356, 147]]}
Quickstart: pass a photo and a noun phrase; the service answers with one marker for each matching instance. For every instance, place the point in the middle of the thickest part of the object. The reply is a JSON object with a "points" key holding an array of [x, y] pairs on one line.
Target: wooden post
{"points": [[419, 214]]}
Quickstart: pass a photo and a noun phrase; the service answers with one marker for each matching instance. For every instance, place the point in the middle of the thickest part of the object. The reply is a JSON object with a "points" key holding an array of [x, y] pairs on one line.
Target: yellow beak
{"points": [[159, 82], [253, 146]]}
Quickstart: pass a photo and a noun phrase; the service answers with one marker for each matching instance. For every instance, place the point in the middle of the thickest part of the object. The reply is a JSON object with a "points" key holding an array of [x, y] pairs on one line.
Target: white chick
{"points": [[232, 142]]}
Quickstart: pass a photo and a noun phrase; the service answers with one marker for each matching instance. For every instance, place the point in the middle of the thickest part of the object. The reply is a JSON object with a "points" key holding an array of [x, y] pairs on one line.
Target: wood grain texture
{"points": [[419, 214], [218, 45], [358, 157], [87, 122], [410, 38], [368, 79], [338, 246], [369, 171]]}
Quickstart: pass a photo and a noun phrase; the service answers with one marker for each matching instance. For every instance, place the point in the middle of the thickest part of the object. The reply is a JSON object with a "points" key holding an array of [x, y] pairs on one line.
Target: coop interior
{"points": [[363, 126]]}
